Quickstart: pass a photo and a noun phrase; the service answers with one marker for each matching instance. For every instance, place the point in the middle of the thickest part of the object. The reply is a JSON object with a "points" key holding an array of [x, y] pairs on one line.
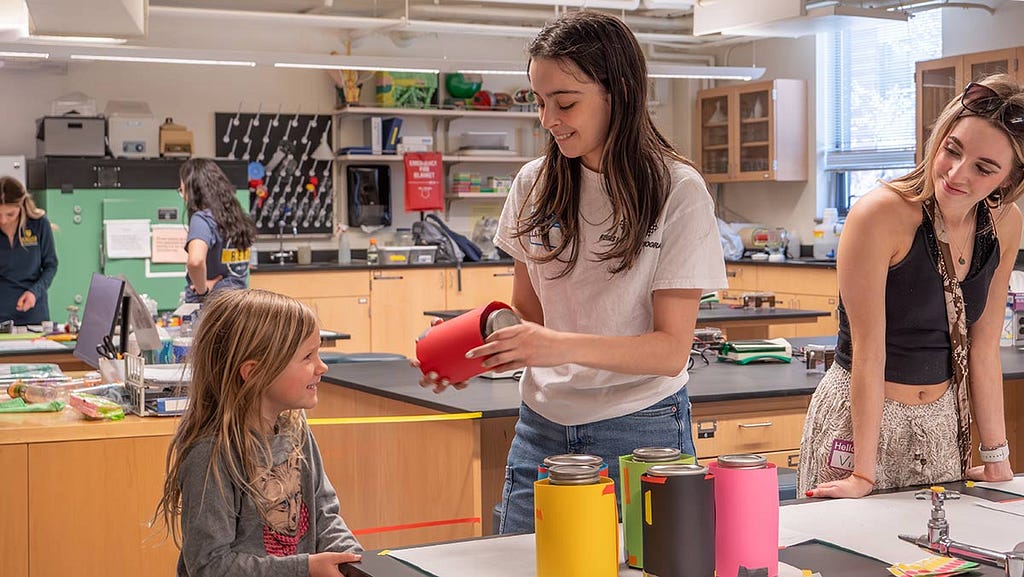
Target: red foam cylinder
{"points": [[443, 349]]}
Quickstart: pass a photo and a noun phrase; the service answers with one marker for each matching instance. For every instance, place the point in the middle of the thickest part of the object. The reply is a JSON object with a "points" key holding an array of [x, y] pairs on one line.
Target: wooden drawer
{"points": [[314, 284], [787, 459], [775, 426], [741, 277], [791, 279]]}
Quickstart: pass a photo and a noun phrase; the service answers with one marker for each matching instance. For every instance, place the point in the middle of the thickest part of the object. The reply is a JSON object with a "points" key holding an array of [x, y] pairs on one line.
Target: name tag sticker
{"points": [[841, 455]]}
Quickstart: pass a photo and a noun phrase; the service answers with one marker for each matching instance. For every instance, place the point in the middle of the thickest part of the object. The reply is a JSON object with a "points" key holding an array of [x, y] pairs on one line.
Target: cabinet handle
{"points": [[706, 429], [505, 273], [755, 425], [377, 275], [732, 273], [793, 460]]}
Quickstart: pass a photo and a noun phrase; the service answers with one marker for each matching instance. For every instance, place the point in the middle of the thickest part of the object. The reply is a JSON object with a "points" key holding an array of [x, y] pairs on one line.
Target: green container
{"points": [[631, 467]]}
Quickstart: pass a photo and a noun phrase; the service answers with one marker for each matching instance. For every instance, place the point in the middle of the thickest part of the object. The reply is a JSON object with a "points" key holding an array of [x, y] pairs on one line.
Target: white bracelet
{"points": [[996, 454]]}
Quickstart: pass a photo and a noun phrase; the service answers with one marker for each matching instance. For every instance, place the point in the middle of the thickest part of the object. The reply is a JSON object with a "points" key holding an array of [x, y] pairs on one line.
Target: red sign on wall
{"points": [[424, 183]]}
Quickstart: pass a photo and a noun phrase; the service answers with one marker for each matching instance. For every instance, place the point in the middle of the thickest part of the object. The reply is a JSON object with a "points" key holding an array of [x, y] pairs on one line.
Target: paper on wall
{"points": [[127, 238], [169, 243], [871, 525]]}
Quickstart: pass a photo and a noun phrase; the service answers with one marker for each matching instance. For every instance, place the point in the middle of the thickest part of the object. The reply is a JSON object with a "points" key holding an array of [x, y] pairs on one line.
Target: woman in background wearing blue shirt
{"points": [[220, 233], [28, 260]]}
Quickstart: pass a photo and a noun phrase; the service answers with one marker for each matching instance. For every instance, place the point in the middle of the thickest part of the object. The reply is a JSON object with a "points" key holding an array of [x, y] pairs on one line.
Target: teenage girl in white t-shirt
{"points": [[614, 239]]}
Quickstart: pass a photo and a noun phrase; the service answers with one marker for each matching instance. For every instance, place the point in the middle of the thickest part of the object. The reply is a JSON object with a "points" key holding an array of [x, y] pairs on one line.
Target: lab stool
{"points": [[337, 357]]}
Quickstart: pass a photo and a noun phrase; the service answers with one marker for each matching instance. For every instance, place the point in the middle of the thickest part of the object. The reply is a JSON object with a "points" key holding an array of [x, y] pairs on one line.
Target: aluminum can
{"points": [[746, 514], [499, 319], [571, 459], [678, 521], [577, 526], [631, 467]]}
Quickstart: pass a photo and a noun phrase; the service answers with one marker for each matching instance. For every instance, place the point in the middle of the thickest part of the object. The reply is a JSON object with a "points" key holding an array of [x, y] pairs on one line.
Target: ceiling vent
{"points": [[102, 18], [782, 18]]}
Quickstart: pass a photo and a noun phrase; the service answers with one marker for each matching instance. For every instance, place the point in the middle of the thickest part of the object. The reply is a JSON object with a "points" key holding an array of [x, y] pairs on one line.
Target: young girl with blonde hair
{"points": [[246, 492]]}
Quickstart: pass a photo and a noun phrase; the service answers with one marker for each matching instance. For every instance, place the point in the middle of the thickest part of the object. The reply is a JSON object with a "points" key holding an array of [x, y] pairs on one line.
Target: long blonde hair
{"points": [[919, 185], [236, 326], [12, 191]]}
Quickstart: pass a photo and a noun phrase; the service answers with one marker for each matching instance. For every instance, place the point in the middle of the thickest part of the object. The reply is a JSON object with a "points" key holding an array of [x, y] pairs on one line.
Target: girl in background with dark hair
{"points": [[28, 258], [220, 233], [614, 238]]}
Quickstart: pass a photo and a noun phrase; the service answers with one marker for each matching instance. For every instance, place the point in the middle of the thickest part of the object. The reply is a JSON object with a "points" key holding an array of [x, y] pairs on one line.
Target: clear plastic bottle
{"points": [[372, 254], [344, 248], [33, 393], [826, 235]]}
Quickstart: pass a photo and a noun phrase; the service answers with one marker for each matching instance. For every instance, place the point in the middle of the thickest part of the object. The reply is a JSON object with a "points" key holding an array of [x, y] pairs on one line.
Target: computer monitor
{"points": [[102, 307], [103, 314]]}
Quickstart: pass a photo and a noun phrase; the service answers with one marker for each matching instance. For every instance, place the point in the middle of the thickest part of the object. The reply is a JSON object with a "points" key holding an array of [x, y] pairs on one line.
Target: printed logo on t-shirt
{"points": [[841, 455], [236, 260], [28, 238], [554, 237]]}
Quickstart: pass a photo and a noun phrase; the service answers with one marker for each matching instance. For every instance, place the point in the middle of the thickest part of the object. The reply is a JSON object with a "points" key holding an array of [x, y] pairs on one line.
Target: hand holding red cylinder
{"points": [[443, 349]]}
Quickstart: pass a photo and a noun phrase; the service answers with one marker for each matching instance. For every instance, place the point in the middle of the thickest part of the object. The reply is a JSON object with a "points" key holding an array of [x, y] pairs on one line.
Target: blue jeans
{"points": [[663, 424]]}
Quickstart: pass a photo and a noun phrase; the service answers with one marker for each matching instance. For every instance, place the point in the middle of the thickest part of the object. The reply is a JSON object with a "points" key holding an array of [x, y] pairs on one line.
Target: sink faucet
{"points": [[938, 540], [282, 255]]}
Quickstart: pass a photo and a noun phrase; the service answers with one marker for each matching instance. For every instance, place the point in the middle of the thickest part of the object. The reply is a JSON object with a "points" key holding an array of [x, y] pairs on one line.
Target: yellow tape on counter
{"points": [[396, 419]]}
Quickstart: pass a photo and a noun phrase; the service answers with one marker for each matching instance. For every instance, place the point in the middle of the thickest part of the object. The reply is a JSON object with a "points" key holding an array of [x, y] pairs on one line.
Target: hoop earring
{"points": [[996, 197]]}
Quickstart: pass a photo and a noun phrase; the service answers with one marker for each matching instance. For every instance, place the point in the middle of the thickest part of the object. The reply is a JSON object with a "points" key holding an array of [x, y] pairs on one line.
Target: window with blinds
{"points": [[871, 101]]}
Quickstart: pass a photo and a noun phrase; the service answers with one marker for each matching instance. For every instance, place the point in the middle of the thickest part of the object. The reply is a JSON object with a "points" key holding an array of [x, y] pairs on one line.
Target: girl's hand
{"points": [[993, 472], [850, 487], [326, 564], [26, 301], [518, 346], [432, 379]]}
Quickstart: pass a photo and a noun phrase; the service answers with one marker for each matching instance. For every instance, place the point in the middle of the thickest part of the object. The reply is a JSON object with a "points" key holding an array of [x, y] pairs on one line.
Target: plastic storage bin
{"points": [[402, 255]]}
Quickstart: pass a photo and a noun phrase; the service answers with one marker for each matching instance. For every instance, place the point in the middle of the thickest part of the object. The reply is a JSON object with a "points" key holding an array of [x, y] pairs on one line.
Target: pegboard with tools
{"points": [[291, 157]]}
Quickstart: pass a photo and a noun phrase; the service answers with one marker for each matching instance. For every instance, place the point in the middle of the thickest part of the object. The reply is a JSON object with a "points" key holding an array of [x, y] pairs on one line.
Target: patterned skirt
{"points": [[917, 444]]}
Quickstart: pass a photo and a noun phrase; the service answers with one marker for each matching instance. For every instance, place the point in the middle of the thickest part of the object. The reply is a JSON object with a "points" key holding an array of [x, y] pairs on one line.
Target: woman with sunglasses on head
{"points": [[220, 233], [924, 263], [614, 238]]}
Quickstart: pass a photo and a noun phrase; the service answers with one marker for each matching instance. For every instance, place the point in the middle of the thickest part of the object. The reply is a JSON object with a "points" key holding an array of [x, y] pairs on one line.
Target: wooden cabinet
{"points": [[742, 278], [341, 300], [939, 81], [771, 426], [753, 132], [479, 286], [14, 511], [400, 295], [383, 308], [91, 502], [794, 288]]}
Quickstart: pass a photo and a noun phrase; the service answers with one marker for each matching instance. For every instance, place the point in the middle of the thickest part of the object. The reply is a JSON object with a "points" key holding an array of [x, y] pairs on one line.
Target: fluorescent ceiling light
{"points": [[502, 72], [157, 60], [665, 70], [41, 55], [352, 67], [78, 39]]}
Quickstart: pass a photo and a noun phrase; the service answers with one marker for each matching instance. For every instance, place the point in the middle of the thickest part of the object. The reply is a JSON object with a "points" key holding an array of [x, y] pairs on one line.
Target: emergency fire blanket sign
{"points": [[424, 188]]}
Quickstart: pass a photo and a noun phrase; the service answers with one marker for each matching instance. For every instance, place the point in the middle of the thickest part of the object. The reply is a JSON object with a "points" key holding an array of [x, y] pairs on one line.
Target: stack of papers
{"points": [[758, 350], [933, 567]]}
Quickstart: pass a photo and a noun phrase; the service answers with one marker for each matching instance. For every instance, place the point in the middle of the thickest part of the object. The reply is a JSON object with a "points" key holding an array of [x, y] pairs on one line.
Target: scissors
{"points": [[107, 348]]}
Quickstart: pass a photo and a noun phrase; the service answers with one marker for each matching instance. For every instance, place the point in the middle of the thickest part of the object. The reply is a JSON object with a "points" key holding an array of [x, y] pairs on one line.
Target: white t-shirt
{"points": [[682, 251]]}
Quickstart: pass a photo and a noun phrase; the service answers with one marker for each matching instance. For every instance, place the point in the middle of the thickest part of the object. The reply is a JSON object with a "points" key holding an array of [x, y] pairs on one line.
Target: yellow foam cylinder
{"points": [[577, 529]]}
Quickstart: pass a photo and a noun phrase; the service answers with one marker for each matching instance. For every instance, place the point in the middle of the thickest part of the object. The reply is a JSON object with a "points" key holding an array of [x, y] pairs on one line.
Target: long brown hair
{"points": [[236, 326], [919, 185], [207, 187], [12, 191], [634, 158]]}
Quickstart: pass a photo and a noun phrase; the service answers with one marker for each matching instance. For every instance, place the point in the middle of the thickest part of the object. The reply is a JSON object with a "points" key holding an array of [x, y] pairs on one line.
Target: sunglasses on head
{"points": [[984, 101]]}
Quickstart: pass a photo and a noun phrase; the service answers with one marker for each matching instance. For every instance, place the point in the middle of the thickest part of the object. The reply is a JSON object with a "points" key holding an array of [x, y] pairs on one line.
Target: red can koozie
{"points": [[443, 349]]}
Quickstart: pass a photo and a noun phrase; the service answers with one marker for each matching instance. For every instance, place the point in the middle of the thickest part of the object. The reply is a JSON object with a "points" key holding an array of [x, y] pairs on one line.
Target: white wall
{"points": [[796, 205], [192, 94]]}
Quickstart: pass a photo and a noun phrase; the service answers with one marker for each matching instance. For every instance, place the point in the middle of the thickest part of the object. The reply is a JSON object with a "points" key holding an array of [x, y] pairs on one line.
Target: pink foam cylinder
{"points": [[746, 519], [443, 349]]}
